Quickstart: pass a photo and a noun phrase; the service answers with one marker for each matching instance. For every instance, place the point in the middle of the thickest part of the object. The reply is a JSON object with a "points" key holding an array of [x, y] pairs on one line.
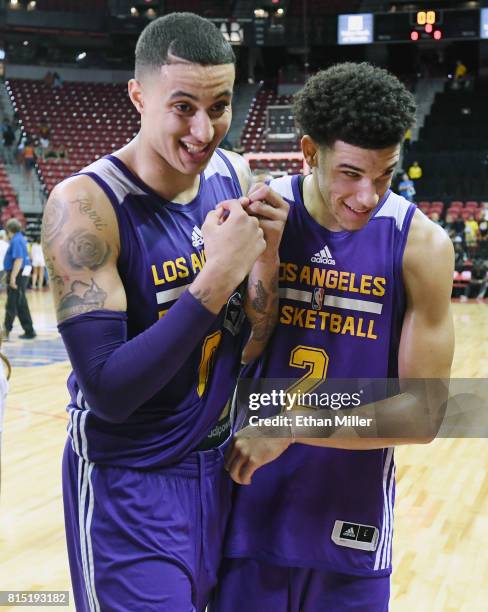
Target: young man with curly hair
{"points": [[365, 290]]}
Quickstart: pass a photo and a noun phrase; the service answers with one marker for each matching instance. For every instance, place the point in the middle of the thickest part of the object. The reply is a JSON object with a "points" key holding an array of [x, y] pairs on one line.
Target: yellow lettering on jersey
{"points": [[343, 284], [169, 269], [291, 272], [371, 333], [323, 319], [305, 275], [335, 323], [298, 317], [360, 332], [161, 313], [366, 284], [379, 282], [349, 326], [196, 264], [157, 280], [318, 277], [352, 286], [182, 267], [286, 315], [331, 279], [311, 319]]}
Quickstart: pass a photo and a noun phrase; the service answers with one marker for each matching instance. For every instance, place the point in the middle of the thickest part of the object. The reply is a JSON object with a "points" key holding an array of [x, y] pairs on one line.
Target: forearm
{"points": [[261, 306], [411, 417], [17, 265], [117, 375]]}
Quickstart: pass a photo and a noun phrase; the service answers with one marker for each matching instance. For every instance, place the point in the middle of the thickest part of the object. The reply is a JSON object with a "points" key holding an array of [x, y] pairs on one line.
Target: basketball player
{"points": [[313, 532], [154, 327]]}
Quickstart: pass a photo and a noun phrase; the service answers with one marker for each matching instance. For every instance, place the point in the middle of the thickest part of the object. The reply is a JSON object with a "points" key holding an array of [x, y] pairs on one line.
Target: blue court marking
{"points": [[47, 348]]}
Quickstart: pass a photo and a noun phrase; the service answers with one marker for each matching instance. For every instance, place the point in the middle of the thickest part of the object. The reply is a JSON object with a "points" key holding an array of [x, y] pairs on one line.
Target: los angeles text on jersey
{"points": [[364, 284], [181, 267]]}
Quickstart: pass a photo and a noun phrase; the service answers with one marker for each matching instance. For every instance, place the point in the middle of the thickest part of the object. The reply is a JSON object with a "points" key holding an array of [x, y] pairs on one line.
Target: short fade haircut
{"points": [[184, 35], [360, 104]]}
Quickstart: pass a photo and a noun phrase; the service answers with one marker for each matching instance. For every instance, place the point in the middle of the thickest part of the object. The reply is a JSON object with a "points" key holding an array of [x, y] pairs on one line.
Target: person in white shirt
{"points": [[38, 264], [3, 250]]}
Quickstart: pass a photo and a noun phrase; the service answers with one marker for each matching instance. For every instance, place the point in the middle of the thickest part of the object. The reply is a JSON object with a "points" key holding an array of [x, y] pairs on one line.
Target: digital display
{"points": [[484, 23], [355, 29], [426, 17]]}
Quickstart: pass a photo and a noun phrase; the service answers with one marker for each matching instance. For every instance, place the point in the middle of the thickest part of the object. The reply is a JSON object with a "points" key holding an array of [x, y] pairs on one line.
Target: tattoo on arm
{"points": [[265, 304], [81, 298], [260, 301], [55, 217], [86, 208], [85, 250]]}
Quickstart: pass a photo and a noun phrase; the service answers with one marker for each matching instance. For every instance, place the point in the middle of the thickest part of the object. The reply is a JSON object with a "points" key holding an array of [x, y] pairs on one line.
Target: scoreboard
{"points": [[435, 24], [431, 24]]}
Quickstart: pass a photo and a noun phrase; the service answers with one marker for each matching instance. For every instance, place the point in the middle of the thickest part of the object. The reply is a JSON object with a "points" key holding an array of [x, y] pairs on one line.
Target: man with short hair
{"points": [[15, 261], [365, 285], [148, 250]]}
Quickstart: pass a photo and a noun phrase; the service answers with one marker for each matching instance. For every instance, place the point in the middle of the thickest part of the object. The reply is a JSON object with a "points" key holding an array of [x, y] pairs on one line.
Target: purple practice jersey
{"points": [[161, 252], [342, 304]]}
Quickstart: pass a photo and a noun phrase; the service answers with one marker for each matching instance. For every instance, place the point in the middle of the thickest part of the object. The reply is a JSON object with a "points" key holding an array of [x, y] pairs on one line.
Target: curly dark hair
{"points": [[185, 35], [360, 104]]}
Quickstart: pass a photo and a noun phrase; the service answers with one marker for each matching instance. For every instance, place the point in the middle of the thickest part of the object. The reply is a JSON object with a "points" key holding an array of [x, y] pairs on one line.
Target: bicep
{"points": [[80, 243], [427, 340]]}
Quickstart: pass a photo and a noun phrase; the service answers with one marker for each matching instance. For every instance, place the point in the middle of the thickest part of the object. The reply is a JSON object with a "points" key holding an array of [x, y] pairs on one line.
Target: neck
{"points": [[157, 174], [316, 206]]}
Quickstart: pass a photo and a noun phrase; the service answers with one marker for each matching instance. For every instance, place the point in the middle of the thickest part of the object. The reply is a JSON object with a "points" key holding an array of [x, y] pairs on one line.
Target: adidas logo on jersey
{"points": [[324, 256], [349, 532], [196, 236]]}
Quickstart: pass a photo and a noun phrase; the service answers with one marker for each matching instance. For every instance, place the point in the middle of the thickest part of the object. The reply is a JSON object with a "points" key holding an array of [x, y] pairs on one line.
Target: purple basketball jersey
{"points": [[342, 298], [161, 253]]}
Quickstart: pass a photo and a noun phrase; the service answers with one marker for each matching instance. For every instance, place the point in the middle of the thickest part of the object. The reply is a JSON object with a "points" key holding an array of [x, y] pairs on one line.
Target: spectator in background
{"points": [[483, 239], [479, 281], [471, 231], [48, 79], [44, 137], [406, 188], [3, 250], [15, 261], [29, 158], [8, 134], [57, 80], [434, 216], [460, 71], [38, 264], [460, 255], [415, 171]]}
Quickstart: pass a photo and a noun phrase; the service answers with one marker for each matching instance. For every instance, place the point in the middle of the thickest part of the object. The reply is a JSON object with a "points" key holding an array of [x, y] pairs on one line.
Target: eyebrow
{"points": [[227, 93], [356, 169]]}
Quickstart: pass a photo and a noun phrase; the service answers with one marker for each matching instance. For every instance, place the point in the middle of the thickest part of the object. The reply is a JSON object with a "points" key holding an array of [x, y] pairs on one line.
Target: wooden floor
{"points": [[441, 528]]}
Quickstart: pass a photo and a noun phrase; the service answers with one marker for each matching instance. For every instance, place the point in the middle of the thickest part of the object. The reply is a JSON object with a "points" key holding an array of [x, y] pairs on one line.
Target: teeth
{"points": [[193, 148]]}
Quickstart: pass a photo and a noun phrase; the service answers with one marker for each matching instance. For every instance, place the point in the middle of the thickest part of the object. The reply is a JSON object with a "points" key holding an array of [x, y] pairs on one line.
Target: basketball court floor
{"points": [[441, 528]]}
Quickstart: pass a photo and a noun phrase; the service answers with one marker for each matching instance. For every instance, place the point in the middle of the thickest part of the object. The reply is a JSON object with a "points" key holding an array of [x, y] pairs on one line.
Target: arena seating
{"points": [[12, 209], [452, 146], [254, 134], [72, 6], [88, 119]]}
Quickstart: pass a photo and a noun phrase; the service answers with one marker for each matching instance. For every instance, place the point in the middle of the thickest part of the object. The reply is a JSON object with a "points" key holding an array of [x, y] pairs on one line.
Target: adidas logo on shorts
{"points": [[324, 256], [196, 236]]}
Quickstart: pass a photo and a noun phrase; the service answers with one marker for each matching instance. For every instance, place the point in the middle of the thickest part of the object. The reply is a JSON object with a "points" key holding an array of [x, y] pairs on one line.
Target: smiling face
{"points": [[185, 112], [348, 182]]}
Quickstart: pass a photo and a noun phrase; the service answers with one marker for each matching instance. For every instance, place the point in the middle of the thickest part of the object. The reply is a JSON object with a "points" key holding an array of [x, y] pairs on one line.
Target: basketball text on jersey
{"points": [[318, 280]]}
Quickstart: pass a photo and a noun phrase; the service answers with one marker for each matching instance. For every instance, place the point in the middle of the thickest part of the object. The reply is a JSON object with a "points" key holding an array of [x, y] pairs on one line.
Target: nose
{"points": [[366, 195], [202, 127]]}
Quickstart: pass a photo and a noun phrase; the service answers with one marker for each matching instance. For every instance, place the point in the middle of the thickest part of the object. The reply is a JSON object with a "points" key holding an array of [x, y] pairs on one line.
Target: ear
{"points": [[136, 95], [309, 150]]}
